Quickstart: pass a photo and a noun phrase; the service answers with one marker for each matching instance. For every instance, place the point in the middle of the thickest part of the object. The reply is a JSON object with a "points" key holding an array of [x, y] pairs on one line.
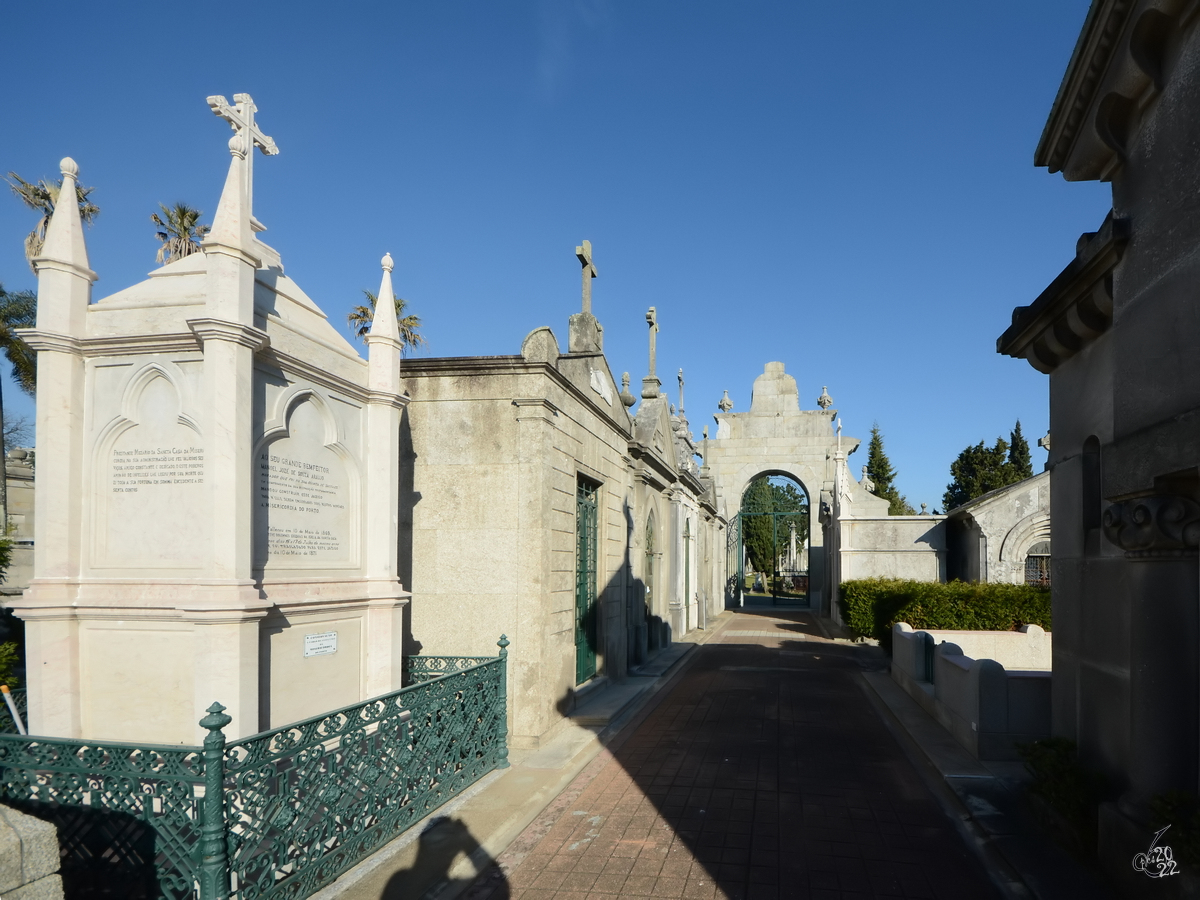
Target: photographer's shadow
{"points": [[441, 843]]}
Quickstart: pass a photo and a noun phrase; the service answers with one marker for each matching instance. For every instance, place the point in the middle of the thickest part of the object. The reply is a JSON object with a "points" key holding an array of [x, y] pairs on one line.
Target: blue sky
{"points": [[847, 188]]}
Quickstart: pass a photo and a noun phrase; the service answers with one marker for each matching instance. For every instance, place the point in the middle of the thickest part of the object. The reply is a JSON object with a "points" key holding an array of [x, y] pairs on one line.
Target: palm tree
{"points": [[180, 234], [41, 196], [361, 316], [17, 310]]}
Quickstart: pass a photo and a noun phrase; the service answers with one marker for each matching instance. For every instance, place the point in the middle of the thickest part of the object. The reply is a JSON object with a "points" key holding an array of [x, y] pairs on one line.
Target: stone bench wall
{"points": [[988, 707], [29, 858]]}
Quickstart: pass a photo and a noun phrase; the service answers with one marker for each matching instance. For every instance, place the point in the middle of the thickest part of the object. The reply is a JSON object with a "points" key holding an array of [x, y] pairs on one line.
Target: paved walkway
{"points": [[764, 772]]}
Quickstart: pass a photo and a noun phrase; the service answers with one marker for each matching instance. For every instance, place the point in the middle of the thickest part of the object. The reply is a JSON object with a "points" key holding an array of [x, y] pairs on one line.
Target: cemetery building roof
{"points": [[1119, 66], [1075, 309]]}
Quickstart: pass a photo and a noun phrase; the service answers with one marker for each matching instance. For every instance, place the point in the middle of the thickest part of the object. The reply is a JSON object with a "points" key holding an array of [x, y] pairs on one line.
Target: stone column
{"points": [[226, 609], [674, 600], [530, 656], [52, 633], [385, 404]]}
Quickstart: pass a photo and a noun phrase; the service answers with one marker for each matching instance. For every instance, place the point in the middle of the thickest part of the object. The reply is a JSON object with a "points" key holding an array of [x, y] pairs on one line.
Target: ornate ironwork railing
{"points": [[127, 816], [423, 668], [278, 814], [20, 700]]}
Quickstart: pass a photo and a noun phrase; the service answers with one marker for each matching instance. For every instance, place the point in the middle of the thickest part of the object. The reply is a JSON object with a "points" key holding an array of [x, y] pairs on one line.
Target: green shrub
{"points": [[872, 606], [9, 657]]}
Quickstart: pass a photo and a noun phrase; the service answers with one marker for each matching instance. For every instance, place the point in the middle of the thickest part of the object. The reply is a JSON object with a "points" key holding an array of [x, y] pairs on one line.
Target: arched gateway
{"points": [[777, 443]]}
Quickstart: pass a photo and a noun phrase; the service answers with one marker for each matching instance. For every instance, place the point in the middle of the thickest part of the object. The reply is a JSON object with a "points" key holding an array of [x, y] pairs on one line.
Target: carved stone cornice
{"points": [[534, 408], [1160, 526], [387, 398], [1090, 61], [207, 329], [1075, 309], [113, 345], [51, 341]]}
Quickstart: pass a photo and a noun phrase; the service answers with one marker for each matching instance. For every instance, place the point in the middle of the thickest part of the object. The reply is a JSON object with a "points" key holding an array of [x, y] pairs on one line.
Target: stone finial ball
{"points": [[387, 263], [69, 167]]}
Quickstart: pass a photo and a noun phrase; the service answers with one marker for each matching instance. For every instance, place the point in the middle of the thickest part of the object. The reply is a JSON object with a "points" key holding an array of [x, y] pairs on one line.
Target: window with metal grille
{"points": [[1037, 564]]}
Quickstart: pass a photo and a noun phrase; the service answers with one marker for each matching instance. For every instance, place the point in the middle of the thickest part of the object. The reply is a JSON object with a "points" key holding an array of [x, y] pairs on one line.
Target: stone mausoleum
{"points": [[1116, 332], [216, 488]]}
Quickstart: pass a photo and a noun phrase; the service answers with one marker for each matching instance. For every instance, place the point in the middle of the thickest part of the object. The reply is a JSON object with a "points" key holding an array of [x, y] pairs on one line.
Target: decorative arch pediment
{"points": [[1024, 534]]}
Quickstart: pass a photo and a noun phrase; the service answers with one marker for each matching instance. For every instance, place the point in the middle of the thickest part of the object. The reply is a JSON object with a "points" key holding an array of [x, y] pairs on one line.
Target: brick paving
{"points": [[763, 774]]}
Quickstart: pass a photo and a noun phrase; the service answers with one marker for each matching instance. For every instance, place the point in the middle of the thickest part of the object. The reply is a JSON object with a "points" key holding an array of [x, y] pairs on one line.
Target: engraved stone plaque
{"points": [[152, 486], [302, 497]]}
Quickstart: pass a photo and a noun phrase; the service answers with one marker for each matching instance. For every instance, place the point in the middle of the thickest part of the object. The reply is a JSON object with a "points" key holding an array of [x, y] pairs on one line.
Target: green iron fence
{"points": [[278, 814], [423, 668]]}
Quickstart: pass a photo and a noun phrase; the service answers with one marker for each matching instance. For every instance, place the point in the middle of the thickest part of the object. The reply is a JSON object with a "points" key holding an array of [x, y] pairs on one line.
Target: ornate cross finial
{"points": [[824, 401], [584, 253], [725, 404], [681, 392], [247, 136]]}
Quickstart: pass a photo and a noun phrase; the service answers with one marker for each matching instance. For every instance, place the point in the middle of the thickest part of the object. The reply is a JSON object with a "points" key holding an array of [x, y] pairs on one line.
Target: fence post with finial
{"points": [[214, 857], [502, 706]]}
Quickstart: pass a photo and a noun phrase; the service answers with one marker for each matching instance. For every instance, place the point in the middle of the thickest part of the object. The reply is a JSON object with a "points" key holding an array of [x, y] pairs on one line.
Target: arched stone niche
{"points": [[149, 468], [306, 488]]}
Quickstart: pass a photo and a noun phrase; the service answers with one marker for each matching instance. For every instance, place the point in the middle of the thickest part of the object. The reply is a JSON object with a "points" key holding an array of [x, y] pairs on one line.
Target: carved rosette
{"points": [[1150, 527]]}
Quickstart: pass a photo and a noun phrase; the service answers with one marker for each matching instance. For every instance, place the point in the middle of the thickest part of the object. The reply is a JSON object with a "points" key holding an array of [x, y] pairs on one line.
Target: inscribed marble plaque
{"points": [[301, 497], [152, 486]]}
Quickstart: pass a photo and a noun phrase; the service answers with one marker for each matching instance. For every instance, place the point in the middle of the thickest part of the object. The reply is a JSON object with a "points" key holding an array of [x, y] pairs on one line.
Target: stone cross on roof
{"points": [[681, 392], [584, 253], [652, 321], [248, 136], [650, 383]]}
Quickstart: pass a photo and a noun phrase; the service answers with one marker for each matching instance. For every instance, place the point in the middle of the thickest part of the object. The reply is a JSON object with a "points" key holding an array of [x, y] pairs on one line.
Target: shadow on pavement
{"points": [[763, 773], [441, 843]]}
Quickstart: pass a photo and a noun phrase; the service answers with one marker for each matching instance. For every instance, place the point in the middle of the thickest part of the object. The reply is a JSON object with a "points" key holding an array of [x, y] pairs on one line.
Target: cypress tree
{"points": [[880, 471], [977, 470], [1018, 455]]}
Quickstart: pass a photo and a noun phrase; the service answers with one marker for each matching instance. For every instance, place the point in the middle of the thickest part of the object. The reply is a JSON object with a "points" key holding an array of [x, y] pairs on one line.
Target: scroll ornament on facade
{"points": [[1157, 526]]}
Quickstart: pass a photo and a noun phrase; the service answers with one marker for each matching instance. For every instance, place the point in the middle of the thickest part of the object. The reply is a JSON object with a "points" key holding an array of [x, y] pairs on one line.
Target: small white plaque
{"points": [[320, 644]]}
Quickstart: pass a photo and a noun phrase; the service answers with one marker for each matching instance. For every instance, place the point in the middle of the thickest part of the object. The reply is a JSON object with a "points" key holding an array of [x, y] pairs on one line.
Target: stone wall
{"points": [[29, 857]]}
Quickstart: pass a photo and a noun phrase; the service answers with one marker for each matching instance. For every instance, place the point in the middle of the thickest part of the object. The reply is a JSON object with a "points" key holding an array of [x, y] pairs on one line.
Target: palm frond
{"points": [[181, 232], [41, 196], [18, 309], [360, 318]]}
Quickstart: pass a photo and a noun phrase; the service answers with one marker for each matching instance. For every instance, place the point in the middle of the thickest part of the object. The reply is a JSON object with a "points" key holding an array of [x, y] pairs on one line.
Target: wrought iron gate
{"points": [[773, 528], [735, 578], [585, 582]]}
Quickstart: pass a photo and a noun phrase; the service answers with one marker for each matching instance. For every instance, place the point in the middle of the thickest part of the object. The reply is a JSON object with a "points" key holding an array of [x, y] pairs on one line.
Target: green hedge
{"points": [[871, 607]]}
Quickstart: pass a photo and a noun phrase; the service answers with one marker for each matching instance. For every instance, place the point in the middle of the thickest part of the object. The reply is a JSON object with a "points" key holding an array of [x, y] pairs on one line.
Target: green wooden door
{"points": [[585, 582]]}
